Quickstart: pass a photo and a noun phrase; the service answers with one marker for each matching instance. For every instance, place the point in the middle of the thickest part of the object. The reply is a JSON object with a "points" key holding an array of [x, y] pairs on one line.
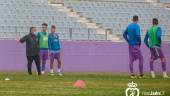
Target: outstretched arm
{"points": [[23, 39], [18, 38]]}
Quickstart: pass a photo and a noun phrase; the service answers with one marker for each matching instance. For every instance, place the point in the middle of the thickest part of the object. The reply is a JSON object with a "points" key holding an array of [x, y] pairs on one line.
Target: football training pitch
{"points": [[98, 84]]}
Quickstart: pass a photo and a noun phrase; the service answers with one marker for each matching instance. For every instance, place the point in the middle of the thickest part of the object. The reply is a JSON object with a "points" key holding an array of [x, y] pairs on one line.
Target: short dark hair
{"points": [[31, 28], [135, 18], [44, 24], [155, 21], [53, 26]]}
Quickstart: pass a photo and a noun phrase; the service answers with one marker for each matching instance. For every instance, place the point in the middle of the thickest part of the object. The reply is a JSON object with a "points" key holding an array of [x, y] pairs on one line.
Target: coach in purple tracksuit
{"points": [[133, 38]]}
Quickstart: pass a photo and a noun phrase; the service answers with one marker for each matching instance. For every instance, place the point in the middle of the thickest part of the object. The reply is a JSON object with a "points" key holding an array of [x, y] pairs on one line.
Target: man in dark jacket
{"points": [[32, 50]]}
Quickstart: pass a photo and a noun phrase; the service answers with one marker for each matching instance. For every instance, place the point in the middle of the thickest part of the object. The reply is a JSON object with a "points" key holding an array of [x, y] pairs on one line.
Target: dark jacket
{"points": [[32, 47]]}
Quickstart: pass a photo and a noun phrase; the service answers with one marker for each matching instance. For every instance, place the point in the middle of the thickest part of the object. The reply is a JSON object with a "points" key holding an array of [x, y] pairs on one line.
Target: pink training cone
{"points": [[80, 84]]}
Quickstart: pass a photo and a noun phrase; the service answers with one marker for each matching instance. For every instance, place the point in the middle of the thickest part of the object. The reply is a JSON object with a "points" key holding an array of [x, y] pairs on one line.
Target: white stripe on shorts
{"points": [[156, 49]]}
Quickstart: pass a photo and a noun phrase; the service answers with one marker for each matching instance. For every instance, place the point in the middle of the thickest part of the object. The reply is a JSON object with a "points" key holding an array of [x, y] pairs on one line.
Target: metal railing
{"points": [[10, 33], [82, 34]]}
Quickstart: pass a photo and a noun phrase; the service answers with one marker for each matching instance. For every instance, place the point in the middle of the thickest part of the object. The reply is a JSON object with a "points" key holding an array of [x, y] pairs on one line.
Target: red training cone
{"points": [[80, 84]]}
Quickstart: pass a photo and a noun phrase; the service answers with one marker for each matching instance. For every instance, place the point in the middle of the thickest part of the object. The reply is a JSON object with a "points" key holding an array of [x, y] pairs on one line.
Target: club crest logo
{"points": [[132, 89]]}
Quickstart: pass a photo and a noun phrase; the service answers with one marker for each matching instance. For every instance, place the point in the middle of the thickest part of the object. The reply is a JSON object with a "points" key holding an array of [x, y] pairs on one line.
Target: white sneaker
{"points": [[153, 74], [132, 76], [42, 72], [52, 72], [165, 75], [60, 74], [142, 76]]}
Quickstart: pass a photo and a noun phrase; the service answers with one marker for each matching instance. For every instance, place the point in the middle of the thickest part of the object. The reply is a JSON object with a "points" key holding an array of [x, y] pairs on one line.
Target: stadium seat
{"points": [[116, 14], [17, 16]]}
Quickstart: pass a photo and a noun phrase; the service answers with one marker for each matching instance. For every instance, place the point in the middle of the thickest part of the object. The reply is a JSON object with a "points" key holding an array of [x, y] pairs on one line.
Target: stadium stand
{"points": [[16, 17], [164, 1], [116, 14], [81, 19]]}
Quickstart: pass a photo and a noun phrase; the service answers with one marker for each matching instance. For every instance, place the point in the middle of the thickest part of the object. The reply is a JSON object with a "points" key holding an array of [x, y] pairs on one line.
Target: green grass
{"points": [[97, 85]]}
